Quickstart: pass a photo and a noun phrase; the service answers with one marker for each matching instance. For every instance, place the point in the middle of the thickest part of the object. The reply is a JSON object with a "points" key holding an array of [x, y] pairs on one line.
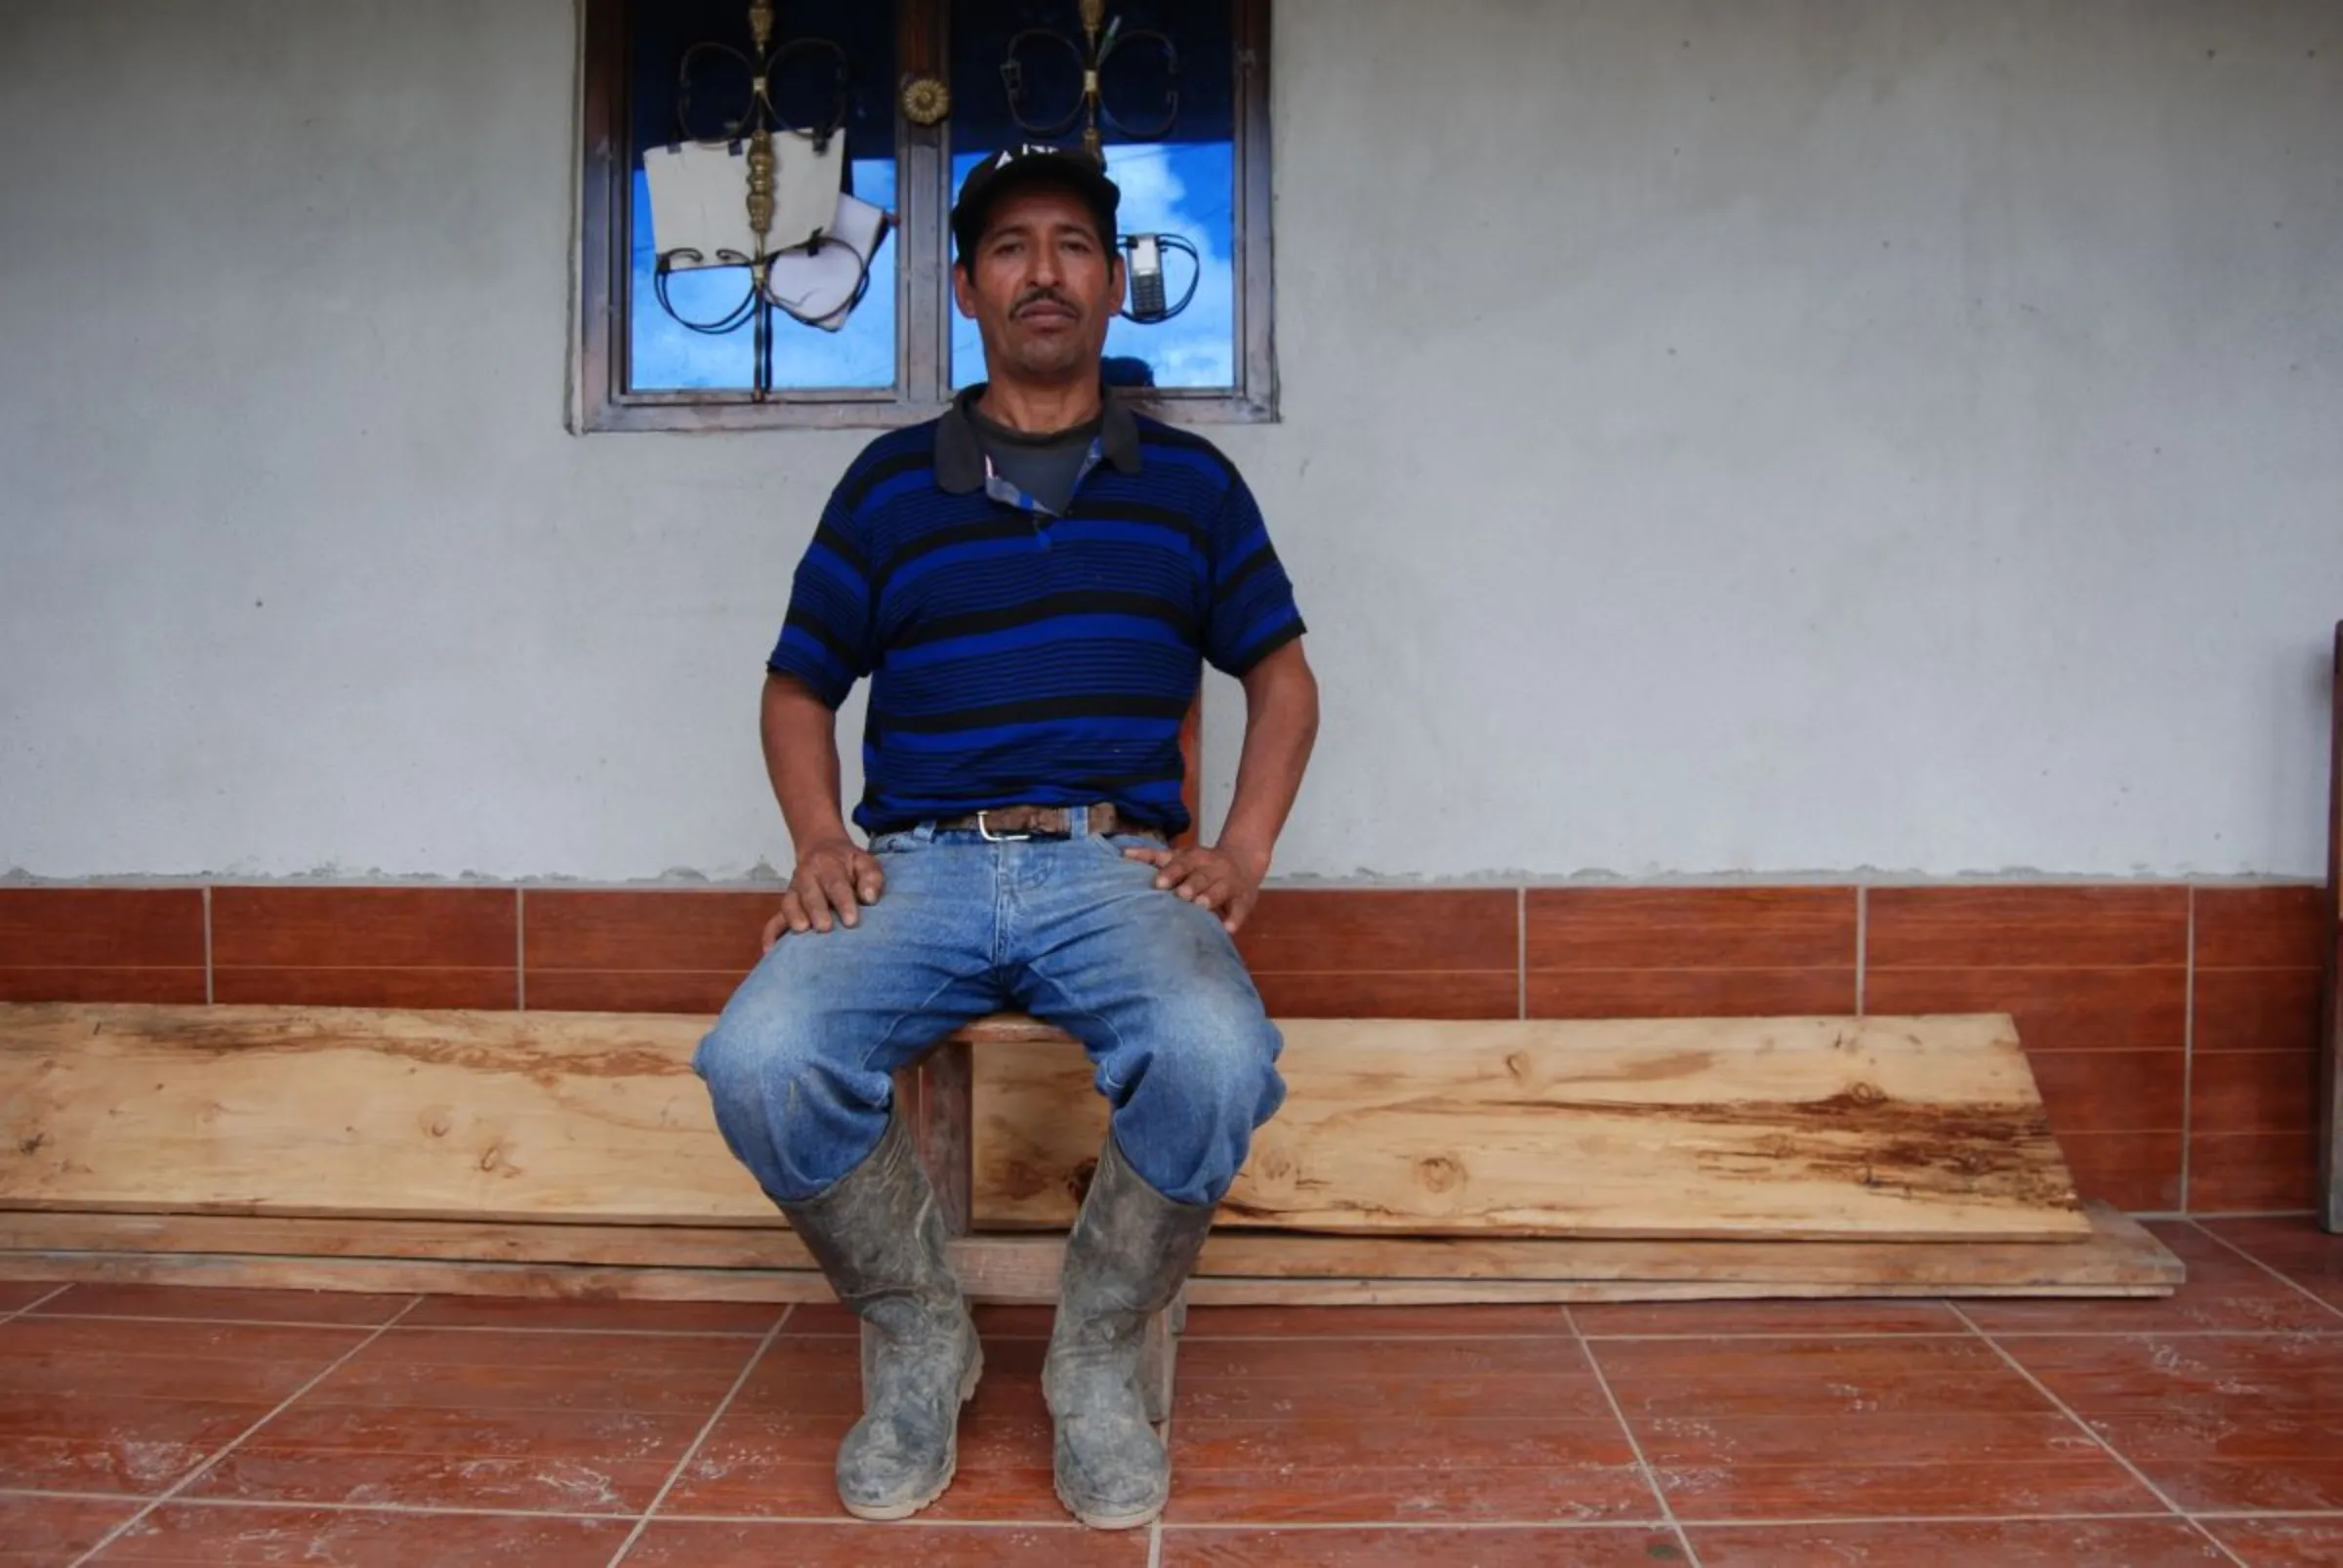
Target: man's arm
{"points": [[832, 874], [1281, 727]]}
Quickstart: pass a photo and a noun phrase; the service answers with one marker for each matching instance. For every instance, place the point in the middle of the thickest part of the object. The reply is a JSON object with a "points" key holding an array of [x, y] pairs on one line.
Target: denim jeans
{"points": [[800, 1065]]}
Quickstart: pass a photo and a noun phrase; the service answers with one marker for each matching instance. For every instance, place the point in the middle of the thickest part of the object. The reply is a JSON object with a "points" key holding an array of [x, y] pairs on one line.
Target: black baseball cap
{"points": [[1031, 162]]}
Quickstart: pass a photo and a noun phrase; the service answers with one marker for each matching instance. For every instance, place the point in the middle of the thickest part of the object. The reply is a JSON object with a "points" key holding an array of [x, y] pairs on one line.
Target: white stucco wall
{"points": [[1726, 437]]}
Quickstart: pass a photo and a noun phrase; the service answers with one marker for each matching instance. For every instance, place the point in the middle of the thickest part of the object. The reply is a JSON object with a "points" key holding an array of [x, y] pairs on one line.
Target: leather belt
{"points": [[1042, 822]]}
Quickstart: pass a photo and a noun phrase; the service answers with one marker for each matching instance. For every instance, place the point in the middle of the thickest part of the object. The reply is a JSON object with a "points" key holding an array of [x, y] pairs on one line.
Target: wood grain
{"points": [[2253, 1173], [768, 1243], [287, 1110], [2276, 927], [629, 951], [1382, 930], [1025, 1267], [101, 944], [2026, 927], [1805, 1128], [365, 928], [2117, 1257], [1690, 929], [1878, 1128], [121, 927], [1688, 993], [2055, 1008]]}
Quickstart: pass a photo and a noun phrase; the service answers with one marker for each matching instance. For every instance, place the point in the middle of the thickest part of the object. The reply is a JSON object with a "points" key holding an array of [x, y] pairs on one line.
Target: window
{"points": [[840, 312]]}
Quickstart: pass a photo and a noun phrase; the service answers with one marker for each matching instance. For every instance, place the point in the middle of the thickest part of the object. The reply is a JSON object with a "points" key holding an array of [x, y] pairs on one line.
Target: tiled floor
{"points": [[235, 1427]]}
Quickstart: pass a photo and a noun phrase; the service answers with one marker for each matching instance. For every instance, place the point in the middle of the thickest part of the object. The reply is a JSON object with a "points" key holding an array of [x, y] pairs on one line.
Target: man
{"points": [[1031, 582]]}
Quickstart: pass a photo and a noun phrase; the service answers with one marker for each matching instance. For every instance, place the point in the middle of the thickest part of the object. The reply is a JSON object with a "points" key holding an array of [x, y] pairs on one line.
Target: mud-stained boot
{"points": [[880, 1238], [1129, 1251]]}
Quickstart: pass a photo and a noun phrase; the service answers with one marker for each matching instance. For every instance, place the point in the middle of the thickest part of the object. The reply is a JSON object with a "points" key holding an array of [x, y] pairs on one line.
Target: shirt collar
{"points": [[959, 456]]}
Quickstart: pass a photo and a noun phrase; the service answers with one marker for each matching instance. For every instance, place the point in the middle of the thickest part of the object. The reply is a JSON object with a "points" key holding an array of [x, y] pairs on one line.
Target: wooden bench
{"points": [[1415, 1163]]}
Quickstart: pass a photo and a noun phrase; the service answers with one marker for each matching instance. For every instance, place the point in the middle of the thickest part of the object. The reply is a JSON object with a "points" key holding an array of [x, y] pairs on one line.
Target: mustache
{"points": [[1042, 296]]}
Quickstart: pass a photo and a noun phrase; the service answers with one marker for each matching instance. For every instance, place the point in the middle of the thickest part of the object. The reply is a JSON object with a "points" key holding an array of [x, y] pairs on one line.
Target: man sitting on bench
{"points": [[1031, 583]]}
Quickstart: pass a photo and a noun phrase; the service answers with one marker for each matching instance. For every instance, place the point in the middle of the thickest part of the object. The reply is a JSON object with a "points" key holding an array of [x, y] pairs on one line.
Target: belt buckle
{"points": [[985, 832]]}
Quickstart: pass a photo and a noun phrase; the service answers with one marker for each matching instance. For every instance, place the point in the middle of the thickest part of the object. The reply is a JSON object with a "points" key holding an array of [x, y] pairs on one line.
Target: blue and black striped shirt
{"points": [[1020, 657]]}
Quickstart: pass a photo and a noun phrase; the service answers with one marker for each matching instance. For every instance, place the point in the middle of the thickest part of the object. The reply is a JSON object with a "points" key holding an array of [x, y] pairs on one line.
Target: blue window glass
{"points": [[1165, 117], [691, 68]]}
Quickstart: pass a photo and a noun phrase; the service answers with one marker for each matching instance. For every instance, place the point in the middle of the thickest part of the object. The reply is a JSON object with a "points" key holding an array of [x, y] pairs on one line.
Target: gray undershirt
{"points": [[1044, 467]]}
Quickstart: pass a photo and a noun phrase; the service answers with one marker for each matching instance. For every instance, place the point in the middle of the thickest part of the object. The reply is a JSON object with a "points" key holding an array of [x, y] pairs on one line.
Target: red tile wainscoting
{"points": [[2173, 1028]]}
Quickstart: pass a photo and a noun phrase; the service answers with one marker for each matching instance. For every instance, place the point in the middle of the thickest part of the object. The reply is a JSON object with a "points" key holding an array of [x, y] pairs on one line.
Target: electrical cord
{"points": [[1169, 242]]}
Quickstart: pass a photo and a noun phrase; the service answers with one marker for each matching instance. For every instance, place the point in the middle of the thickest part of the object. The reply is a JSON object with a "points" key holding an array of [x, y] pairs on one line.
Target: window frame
{"points": [[601, 401]]}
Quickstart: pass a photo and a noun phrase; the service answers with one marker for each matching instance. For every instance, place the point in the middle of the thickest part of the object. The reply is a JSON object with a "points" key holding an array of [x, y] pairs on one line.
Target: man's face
{"points": [[1040, 287]]}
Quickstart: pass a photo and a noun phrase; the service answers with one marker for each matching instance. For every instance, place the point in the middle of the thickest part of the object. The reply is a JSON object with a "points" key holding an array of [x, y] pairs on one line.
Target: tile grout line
{"points": [[2088, 1430], [1905, 1335], [2293, 1285], [449, 1510], [1521, 952], [1651, 1478], [707, 1428], [2188, 1056], [521, 951], [1062, 1524], [239, 1441], [1863, 945], [208, 992], [1155, 1526], [2217, 1544]]}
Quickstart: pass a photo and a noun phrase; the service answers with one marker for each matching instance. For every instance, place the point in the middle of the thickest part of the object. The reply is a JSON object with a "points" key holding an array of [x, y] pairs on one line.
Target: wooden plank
{"points": [[290, 1110], [1793, 1127], [1921, 1264], [1785, 1128], [2330, 1054], [1025, 1267], [419, 1276], [2120, 1258], [441, 1278], [632, 1246], [945, 1140]]}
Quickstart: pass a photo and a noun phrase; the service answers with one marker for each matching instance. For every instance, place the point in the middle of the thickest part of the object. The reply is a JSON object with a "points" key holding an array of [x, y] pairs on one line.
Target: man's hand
{"points": [[833, 878], [1226, 880]]}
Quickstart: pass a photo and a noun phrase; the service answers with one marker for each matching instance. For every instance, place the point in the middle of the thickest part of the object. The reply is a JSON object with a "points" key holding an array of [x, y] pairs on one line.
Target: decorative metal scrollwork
{"points": [[748, 113], [763, 68], [1101, 41]]}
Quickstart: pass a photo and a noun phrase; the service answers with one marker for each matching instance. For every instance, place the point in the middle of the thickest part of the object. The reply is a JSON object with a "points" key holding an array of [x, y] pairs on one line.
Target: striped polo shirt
{"points": [[1021, 658]]}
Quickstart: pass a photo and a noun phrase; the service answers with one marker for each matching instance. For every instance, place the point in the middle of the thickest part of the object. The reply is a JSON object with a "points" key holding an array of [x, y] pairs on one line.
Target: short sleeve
{"points": [[826, 636], [1253, 609]]}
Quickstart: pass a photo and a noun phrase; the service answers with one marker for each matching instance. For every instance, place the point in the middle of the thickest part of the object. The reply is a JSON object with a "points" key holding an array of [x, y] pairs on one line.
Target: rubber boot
{"points": [[880, 1238], [1129, 1251]]}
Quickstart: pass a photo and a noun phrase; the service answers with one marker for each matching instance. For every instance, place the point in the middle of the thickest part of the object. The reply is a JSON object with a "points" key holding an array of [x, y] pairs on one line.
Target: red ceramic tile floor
{"points": [[156, 1426]]}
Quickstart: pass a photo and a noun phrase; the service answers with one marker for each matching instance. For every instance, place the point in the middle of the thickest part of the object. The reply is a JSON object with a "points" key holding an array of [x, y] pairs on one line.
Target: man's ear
{"points": [[964, 289], [1116, 280]]}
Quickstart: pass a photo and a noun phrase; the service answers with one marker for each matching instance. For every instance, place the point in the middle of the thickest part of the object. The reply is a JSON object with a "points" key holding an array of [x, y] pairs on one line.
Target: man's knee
{"points": [[756, 1055], [1205, 1082], [790, 1095], [1218, 1056]]}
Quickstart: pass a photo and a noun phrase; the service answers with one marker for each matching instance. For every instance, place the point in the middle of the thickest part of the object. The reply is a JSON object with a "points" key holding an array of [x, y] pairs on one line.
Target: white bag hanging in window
{"points": [[822, 284], [805, 187], [700, 204]]}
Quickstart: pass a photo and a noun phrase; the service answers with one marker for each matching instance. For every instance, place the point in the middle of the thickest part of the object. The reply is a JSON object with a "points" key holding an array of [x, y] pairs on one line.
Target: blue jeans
{"points": [[800, 1065]]}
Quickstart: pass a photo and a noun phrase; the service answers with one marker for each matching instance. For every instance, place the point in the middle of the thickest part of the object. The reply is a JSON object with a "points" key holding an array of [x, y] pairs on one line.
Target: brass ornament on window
{"points": [[927, 101]]}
